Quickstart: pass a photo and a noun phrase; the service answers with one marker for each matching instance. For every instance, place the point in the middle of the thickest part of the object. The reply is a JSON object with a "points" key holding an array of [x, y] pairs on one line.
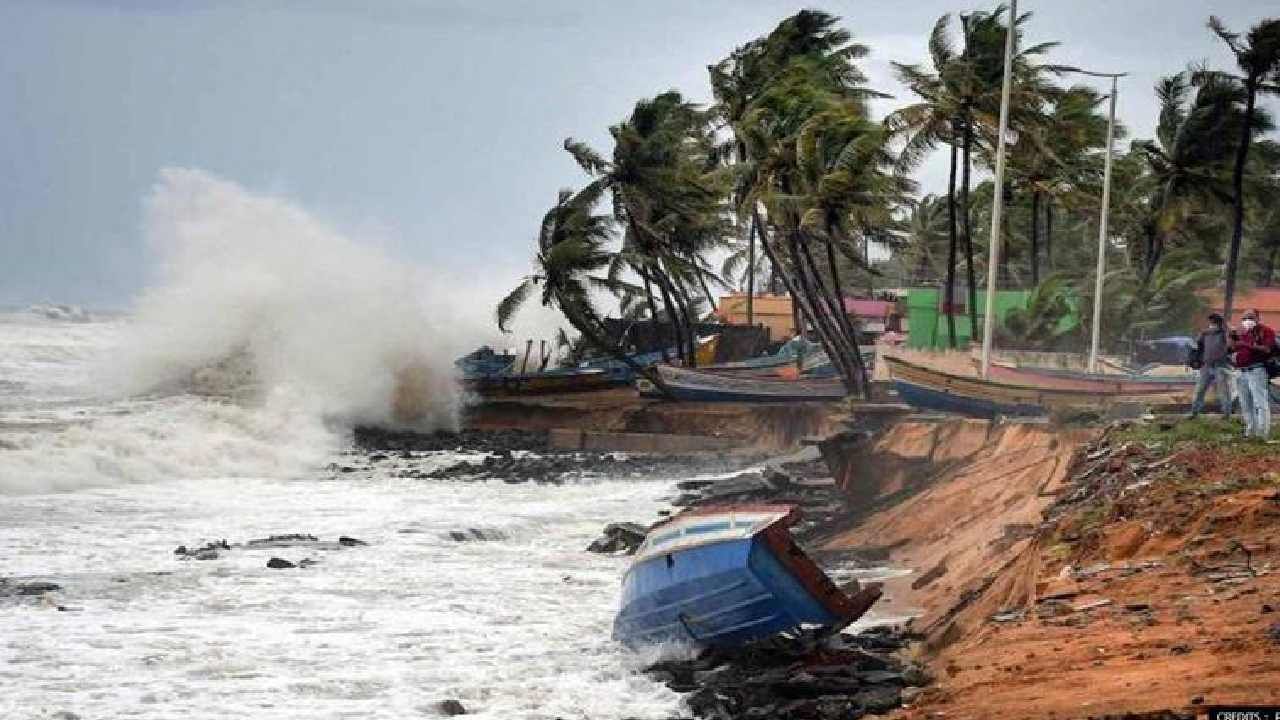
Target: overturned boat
{"points": [[723, 576]]}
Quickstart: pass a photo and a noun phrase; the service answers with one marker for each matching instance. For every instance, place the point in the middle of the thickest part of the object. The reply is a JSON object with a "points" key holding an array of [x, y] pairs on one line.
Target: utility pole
{"points": [[1102, 224], [997, 204]]}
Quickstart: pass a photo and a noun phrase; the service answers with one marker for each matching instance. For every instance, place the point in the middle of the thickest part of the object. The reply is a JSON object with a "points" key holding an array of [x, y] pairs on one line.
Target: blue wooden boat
{"points": [[619, 371], [701, 386], [483, 362], [723, 576]]}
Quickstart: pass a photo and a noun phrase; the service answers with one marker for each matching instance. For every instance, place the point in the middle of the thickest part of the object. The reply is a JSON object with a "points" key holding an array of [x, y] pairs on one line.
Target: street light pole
{"points": [[1102, 224], [997, 205]]}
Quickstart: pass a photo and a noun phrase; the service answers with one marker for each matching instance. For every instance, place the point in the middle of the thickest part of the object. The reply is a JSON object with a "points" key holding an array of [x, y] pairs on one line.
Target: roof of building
{"points": [[869, 308], [1265, 299]]}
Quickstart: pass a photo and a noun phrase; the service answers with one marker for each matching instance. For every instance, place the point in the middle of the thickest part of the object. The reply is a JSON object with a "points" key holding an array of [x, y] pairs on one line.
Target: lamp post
{"points": [[997, 203], [1102, 223]]}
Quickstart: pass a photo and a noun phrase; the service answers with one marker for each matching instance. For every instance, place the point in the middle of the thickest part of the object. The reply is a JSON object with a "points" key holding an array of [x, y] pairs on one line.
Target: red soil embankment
{"points": [[973, 495], [1136, 576]]}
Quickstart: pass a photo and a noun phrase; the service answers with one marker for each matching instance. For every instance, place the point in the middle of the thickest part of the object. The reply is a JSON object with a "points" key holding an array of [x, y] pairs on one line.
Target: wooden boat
{"points": [[551, 381], [935, 390], [702, 386], [723, 576], [1095, 382]]}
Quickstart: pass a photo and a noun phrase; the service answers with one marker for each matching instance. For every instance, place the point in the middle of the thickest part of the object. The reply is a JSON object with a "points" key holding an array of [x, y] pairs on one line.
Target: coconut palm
{"points": [[922, 258], [770, 91], [1053, 157], [669, 200], [1186, 164], [960, 105], [1258, 57], [923, 125], [572, 257]]}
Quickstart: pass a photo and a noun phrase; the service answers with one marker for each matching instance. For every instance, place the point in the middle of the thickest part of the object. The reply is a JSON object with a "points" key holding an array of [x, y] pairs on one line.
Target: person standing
{"points": [[1252, 347], [1214, 361]]}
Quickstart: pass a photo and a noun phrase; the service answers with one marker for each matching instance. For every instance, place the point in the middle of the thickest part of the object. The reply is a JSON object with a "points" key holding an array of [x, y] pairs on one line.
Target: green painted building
{"points": [[927, 325]]}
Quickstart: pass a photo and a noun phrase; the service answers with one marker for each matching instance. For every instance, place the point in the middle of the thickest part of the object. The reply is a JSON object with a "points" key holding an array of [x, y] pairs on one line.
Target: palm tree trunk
{"points": [[779, 272], [834, 304], [967, 219], [1048, 233], [1005, 276], [672, 316], [949, 291], [1270, 268], [684, 304], [815, 295], [858, 366], [1237, 190], [751, 272], [653, 312], [1035, 238]]}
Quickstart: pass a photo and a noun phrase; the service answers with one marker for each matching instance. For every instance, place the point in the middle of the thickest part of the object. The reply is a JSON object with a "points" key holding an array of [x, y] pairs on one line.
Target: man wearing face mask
{"points": [[1252, 347], [1214, 363]]}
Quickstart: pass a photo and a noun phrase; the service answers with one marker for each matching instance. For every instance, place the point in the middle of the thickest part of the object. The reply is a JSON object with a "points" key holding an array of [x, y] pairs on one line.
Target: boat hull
{"points": [[935, 390], [699, 386], [543, 383], [740, 584], [1068, 380]]}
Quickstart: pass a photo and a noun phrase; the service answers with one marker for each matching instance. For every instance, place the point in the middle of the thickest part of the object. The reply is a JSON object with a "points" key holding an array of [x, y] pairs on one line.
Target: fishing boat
{"points": [[620, 371], [1092, 382], [723, 576], [697, 385], [541, 383], [932, 389]]}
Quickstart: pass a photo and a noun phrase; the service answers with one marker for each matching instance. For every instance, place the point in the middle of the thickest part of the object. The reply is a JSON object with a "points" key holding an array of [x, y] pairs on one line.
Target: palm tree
{"points": [[1258, 57], [1053, 155], [571, 253], [819, 170], [923, 125], [960, 104], [1186, 162], [668, 197], [979, 79], [800, 79], [922, 258]]}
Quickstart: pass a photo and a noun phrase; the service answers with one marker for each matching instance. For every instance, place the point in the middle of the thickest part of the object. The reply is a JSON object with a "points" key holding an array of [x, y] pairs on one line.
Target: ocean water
{"points": [[98, 488]]}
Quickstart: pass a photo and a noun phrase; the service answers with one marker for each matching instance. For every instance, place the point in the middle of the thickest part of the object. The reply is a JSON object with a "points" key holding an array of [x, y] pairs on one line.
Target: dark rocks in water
{"points": [[806, 676], [208, 551], [476, 534], [283, 540], [212, 550], [280, 563], [619, 537], [384, 440], [450, 708], [11, 588]]}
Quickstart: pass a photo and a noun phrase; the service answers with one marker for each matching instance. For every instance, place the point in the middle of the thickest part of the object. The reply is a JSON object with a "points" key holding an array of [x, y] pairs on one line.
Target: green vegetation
{"points": [[788, 176]]}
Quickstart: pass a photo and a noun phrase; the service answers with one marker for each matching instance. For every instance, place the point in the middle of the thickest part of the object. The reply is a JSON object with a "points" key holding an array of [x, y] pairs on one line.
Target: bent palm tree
{"points": [[571, 250], [1258, 57]]}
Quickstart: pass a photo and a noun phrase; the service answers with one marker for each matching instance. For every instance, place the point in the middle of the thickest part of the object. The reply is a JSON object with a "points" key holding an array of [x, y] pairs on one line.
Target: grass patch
{"points": [[1204, 431]]}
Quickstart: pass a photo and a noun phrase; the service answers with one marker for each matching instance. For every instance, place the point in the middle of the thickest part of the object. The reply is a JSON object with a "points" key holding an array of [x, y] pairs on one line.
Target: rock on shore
{"points": [[845, 676]]}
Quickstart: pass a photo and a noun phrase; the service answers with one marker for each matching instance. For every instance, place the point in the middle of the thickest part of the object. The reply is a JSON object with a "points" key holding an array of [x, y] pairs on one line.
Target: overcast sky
{"points": [[434, 127]]}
